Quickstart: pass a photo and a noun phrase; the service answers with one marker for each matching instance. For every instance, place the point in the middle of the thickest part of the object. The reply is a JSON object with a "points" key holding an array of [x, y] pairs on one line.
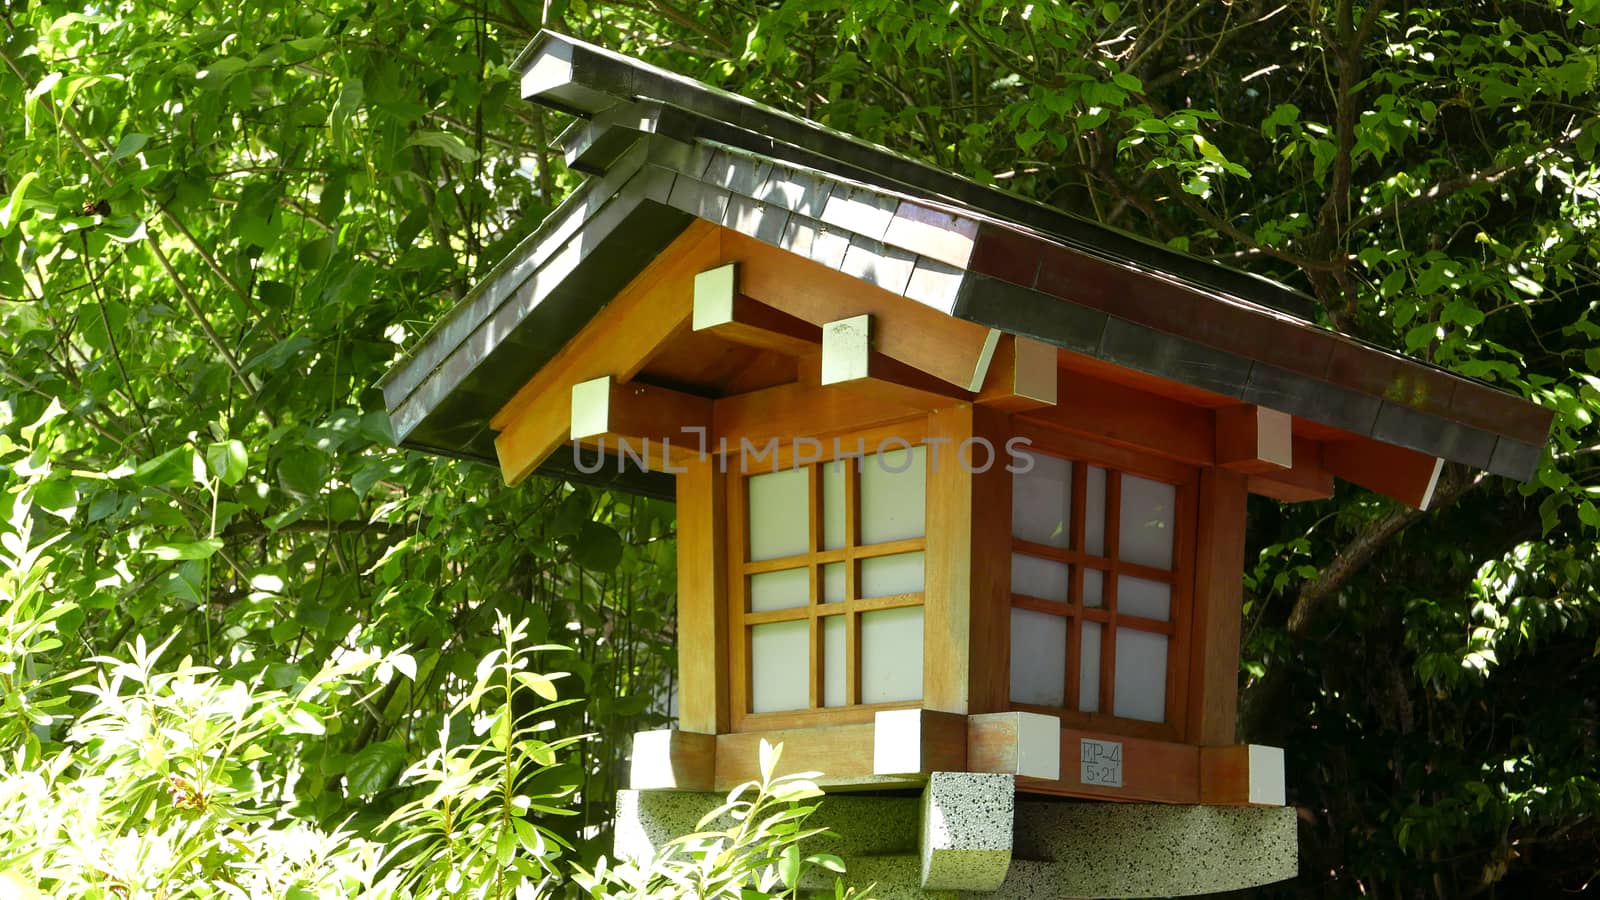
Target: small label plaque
{"points": [[1100, 762]]}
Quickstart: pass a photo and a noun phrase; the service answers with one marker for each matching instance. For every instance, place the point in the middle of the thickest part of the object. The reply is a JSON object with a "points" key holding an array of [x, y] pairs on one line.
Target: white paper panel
{"points": [[1094, 588], [780, 663], [887, 576], [1038, 658], [893, 495], [1089, 668], [1042, 578], [779, 514], [833, 661], [1094, 511], [891, 655], [784, 589], [1148, 511], [833, 584], [1041, 501], [1141, 675], [1142, 597], [833, 503]]}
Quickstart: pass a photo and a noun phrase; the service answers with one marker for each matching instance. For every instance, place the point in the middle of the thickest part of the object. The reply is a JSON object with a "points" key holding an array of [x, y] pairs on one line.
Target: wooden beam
{"points": [[1024, 744], [918, 741], [1395, 472], [703, 665], [952, 350], [673, 760], [849, 360], [843, 754], [1151, 771], [664, 426], [1242, 775], [1308, 480], [1128, 417], [1215, 622], [967, 595], [1022, 376], [1253, 439], [618, 341], [791, 411], [721, 310]]}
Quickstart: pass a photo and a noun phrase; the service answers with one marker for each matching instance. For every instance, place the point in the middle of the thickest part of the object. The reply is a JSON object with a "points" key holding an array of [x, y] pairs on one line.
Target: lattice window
{"points": [[828, 593]]}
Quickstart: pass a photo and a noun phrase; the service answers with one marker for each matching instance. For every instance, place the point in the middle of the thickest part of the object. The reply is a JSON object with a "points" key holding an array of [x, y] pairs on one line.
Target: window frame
{"points": [[1117, 461], [742, 718]]}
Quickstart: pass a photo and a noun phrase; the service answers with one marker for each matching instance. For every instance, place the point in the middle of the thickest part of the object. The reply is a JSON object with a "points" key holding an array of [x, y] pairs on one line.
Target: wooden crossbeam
{"points": [[666, 427], [850, 360], [1128, 417], [1307, 480], [1242, 775], [1022, 375], [1404, 475], [619, 341], [721, 310], [1024, 744], [1253, 439], [951, 350], [673, 760]]}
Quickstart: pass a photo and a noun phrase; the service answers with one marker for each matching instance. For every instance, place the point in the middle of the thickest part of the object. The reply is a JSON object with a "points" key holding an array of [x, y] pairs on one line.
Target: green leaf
{"points": [[226, 460], [187, 550], [171, 467], [453, 146], [598, 547], [374, 768], [130, 144], [12, 211]]}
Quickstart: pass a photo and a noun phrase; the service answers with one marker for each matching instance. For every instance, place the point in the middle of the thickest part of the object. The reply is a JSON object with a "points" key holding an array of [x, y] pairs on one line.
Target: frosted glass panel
{"points": [[1148, 509], [891, 655], [893, 501], [784, 589], [1089, 668], [1094, 588], [1094, 511], [780, 514], [833, 504], [1041, 501], [1142, 597], [1038, 658], [1040, 578], [833, 661], [779, 666], [833, 583], [887, 576], [1141, 675]]}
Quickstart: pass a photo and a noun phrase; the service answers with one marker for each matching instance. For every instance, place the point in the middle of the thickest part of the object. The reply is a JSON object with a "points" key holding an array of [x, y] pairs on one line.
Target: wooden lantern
{"points": [[961, 480]]}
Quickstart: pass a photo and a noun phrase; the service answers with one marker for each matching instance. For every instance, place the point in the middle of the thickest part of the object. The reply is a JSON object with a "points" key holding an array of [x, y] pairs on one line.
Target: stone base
{"points": [[1057, 848]]}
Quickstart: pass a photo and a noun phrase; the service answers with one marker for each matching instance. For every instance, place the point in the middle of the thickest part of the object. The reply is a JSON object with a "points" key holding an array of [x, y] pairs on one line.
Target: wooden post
{"points": [[1218, 594], [703, 671], [967, 605]]}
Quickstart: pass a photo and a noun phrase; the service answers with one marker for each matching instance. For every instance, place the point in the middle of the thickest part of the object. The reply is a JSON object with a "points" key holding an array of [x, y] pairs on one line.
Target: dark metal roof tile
{"points": [[1311, 398], [1405, 427], [1169, 356], [1005, 254]]}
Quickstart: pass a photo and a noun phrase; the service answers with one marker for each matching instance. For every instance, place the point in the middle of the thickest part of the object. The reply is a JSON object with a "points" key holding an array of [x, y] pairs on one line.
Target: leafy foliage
{"points": [[219, 224]]}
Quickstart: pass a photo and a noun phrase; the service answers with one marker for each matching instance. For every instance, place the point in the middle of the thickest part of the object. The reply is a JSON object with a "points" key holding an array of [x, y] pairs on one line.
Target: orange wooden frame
{"points": [[741, 620], [1116, 462]]}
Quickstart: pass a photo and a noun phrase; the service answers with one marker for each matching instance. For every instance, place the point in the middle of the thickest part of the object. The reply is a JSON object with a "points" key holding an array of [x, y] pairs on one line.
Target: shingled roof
{"points": [[663, 151]]}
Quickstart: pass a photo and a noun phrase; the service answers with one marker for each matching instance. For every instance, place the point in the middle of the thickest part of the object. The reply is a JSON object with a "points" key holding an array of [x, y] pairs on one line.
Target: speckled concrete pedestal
{"points": [[1060, 849]]}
